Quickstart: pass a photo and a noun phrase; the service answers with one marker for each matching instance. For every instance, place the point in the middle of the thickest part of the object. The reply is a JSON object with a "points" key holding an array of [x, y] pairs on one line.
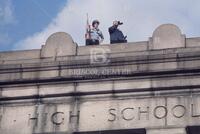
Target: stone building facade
{"points": [[149, 87]]}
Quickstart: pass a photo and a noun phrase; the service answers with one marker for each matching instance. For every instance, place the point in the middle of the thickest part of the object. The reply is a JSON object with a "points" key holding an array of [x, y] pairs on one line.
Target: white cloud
{"points": [[140, 19], [6, 12]]}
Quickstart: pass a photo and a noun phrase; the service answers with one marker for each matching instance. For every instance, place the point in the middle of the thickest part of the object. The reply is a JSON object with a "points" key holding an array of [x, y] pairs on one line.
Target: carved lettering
{"points": [[129, 113], [113, 115], [159, 108], [193, 114], [33, 119], [124, 113], [176, 111], [55, 116], [71, 116], [140, 112]]}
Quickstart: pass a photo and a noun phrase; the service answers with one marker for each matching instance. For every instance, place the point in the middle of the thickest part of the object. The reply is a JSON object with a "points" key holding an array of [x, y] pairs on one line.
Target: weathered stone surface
{"points": [[35, 119], [187, 113], [56, 89], [61, 91], [10, 76], [119, 114], [59, 44], [117, 48], [18, 55], [193, 42], [23, 91], [15, 120], [167, 131], [167, 36]]}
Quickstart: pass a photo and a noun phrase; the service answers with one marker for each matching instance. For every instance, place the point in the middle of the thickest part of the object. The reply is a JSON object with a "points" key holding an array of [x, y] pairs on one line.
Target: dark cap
{"points": [[95, 22]]}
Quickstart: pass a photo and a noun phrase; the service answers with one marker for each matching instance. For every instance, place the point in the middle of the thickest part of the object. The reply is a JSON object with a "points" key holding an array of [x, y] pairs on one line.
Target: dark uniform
{"points": [[116, 36]]}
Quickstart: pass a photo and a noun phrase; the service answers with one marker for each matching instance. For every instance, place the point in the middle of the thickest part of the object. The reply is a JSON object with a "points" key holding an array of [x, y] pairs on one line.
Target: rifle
{"points": [[87, 34]]}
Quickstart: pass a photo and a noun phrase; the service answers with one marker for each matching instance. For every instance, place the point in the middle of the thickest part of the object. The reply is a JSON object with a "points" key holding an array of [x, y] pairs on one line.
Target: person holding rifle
{"points": [[87, 34], [93, 35]]}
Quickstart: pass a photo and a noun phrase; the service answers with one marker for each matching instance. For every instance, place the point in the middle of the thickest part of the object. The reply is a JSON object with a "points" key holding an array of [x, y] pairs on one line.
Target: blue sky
{"points": [[26, 24], [27, 17]]}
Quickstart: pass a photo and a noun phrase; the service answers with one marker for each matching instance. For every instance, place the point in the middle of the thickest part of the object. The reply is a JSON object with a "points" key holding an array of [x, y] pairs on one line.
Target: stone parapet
{"points": [[150, 87]]}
